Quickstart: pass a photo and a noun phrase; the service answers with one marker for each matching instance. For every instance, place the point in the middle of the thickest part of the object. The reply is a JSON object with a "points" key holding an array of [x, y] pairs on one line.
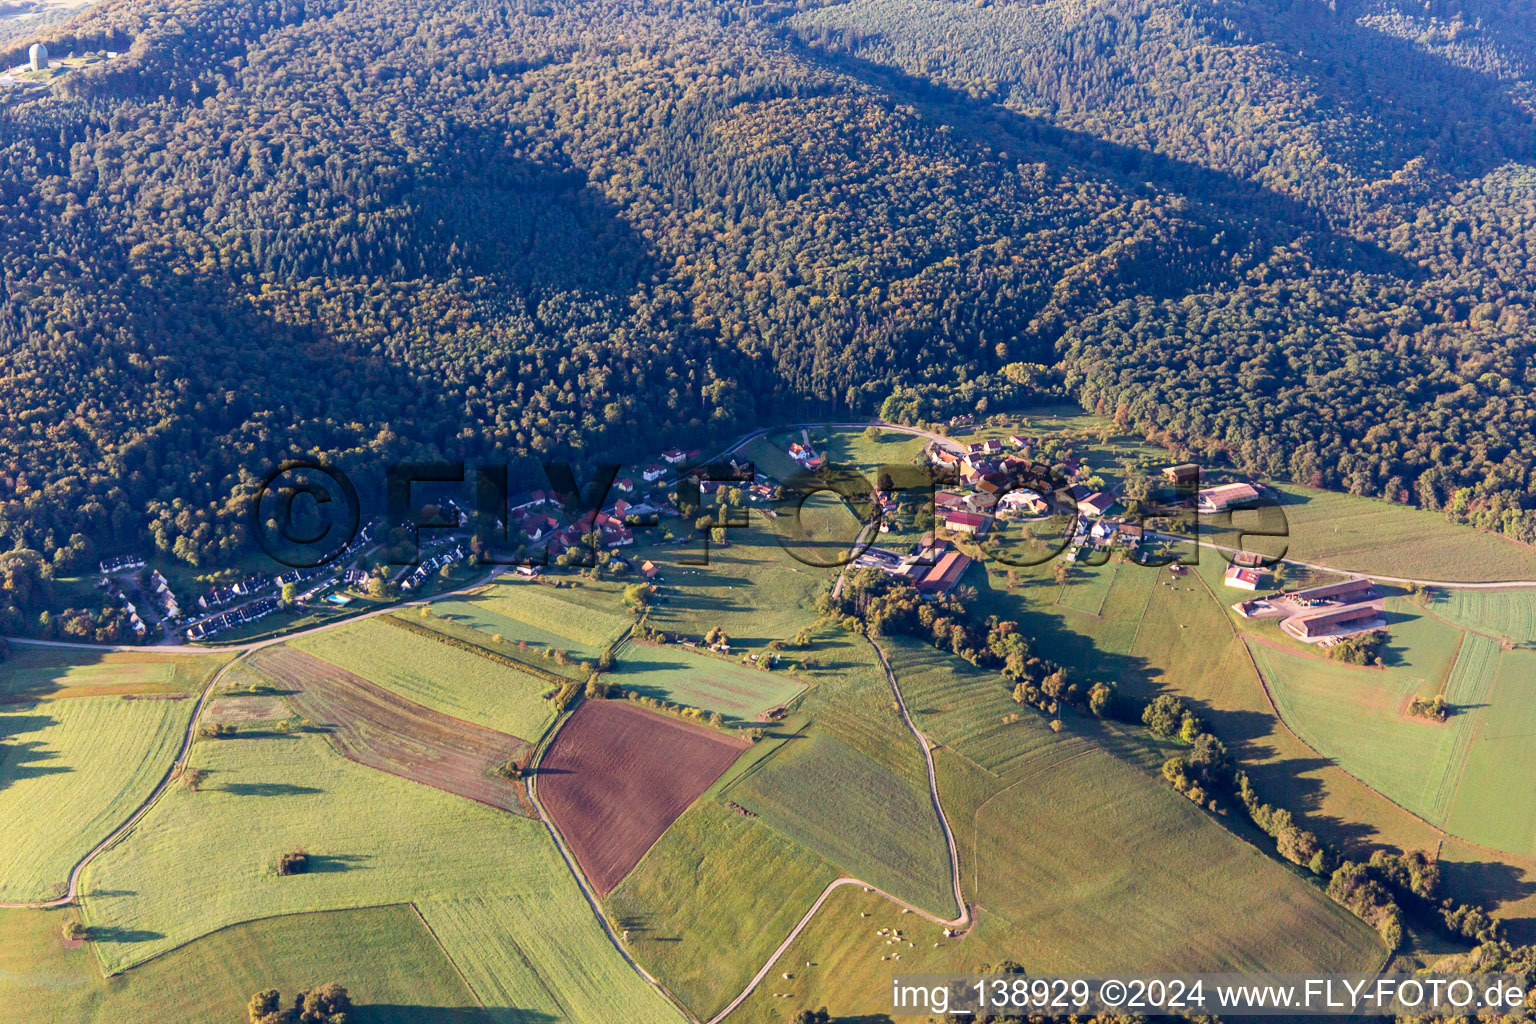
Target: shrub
{"points": [[294, 862]]}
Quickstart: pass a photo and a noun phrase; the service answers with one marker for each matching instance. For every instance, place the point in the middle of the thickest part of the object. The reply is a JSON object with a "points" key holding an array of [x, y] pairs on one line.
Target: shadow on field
{"points": [[26, 759], [328, 864], [268, 789], [113, 934], [449, 1014], [1291, 783], [1497, 884]]}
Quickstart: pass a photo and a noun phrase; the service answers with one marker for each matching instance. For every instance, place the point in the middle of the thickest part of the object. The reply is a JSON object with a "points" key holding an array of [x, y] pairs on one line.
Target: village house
{"points": [[652, 472], [804, 456], [674, 456], [527, 500], [1023, 501]]}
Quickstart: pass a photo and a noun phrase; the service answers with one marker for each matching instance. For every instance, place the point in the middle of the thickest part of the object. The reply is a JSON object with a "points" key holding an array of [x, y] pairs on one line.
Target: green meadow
{"points": [[715, 881], [541, 615], [86, 738], [391, 966], [842, 805], [438, 675], [673, 673], [71, 771]]}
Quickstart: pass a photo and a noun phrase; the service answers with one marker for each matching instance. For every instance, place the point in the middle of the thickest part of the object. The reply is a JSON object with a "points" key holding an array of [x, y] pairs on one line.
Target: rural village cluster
{"points": [[995, 484]]}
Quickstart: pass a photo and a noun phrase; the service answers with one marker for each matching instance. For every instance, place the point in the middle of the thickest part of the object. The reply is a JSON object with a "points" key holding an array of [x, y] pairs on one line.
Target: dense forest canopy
{"points": [[1297, 235]]}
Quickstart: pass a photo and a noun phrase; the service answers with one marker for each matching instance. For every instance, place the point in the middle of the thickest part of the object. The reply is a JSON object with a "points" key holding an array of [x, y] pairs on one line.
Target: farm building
{"points": [[1243, 579], [967, 522], [1338, 622], [1184, 473], [1219, 499], [1357, 589], [1097, 503], [943, 577]]}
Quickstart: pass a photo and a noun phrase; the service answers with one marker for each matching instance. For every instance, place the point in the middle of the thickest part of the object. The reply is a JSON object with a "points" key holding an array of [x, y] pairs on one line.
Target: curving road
{"points": [[143, 808]]}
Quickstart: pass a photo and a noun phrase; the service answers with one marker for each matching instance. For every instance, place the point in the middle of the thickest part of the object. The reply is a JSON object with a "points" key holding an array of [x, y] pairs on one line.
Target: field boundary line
{"points": [[976, 813], [582, 882], [964, 918], [251, 920], [469, 985]]}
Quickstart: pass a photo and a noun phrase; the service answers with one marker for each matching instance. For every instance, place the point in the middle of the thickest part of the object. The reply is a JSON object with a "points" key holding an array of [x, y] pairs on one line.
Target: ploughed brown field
{"points": [[617, 775], [381, 729]]}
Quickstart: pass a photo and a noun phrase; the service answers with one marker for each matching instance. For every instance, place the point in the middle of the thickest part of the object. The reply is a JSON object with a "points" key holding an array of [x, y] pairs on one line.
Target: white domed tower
{"points": [[37, 56]]}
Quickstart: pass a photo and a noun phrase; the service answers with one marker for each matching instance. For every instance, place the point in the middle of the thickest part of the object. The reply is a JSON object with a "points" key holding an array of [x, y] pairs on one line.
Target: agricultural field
{"points": [[846, 808], [753, 589], [542, 616], [379, 728], [1187, 644], [616, 775], [442, 677], [844, 959], [1090, 644], [964, 708], [33, 673], [205, 858], [823, 531], [1495, 799], [72, 770], [533, 959], [1367, 535], [675, 674], [1506, 615], [84, 740], [750, 886], [1358, 715], [1178, 893], [1089, 586], [845, 447], [1133, 875], [385, 957]]}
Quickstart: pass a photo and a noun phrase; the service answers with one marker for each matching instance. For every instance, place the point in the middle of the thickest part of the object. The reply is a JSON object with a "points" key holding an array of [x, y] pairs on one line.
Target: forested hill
{"points": [[1301, 234]]}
